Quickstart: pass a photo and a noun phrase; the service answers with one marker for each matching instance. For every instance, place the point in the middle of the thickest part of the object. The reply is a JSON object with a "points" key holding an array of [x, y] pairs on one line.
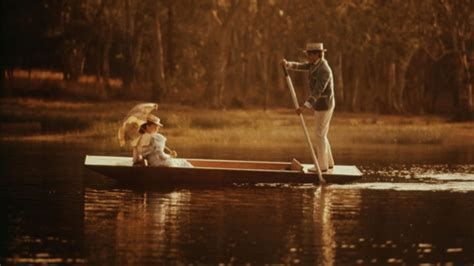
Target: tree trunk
{"points": [[4, 66], [264, 71], [355, 92], [279, 79], [392, 87], [127, 67], [244, 81], [158, 90], [170, 44], [106, 63], [375, 86], [352, 80], [217, 50], [465, 111], [402, 66], [74, 60], [3, 89], [132, 50], [131, 41], [338, 79], [216, 68]]}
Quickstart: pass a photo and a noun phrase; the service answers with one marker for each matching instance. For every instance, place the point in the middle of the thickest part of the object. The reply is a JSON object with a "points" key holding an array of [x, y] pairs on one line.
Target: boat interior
{"points": [[294, 165], [204, 163]]}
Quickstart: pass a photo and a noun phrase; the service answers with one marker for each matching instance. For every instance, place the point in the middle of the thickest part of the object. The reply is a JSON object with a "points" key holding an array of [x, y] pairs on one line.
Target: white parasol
{"points": [[128, 132]]}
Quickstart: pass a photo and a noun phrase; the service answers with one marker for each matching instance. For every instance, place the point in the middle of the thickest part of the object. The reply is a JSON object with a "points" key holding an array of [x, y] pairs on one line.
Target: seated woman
{"points": [[152, 144]]}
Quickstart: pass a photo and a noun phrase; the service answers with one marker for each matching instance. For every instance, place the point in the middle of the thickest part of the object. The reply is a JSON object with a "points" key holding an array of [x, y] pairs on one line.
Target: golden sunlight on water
{"points": [[138, 220], [397, 213], [156, 225]]}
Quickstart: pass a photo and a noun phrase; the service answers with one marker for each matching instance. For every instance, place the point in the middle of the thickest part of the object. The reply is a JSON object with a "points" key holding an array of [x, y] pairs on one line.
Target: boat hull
{"points": [[215, 172]]}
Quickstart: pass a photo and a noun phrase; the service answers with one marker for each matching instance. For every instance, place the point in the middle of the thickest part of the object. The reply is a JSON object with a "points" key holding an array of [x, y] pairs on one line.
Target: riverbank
{"points": [[29, 119]]}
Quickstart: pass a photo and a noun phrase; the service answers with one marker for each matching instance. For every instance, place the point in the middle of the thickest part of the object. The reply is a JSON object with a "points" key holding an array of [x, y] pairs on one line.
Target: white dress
{"points": [[152, 146]]}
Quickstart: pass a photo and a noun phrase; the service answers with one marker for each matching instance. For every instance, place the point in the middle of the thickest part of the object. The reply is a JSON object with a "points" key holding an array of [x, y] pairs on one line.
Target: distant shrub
{"points": [[211, 122], [174, 121], [404, 136]]}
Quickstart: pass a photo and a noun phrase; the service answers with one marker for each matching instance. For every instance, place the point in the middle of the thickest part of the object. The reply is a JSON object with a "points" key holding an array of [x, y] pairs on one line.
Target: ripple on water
{"points": [[448, 186], [452, 178]]}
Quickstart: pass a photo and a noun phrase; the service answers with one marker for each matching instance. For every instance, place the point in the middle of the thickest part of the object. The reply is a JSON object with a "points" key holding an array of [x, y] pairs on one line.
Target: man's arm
{"points": [[297, 66]]}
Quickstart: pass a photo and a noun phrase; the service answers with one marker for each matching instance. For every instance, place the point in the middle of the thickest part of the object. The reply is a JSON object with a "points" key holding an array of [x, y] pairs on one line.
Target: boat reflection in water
{"points": [[223, 225], [143, 226], [347, 208], [413, 213], [271, 224]]}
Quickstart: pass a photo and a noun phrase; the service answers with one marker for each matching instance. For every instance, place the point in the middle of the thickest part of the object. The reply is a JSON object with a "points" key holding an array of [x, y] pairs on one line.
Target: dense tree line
{"points": [[396, 56]]}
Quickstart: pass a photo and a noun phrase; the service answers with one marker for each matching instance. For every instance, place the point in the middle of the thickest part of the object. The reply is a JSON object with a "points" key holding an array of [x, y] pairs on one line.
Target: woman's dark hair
{"points": [[142, 129]]}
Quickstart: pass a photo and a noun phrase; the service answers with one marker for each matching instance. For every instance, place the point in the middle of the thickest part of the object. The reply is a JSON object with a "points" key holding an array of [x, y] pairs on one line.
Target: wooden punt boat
{"points": [[206, 171]]}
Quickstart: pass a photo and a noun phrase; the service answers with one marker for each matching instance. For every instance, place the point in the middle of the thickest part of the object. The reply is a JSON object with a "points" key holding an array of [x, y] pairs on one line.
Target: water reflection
{"points": [[229, 225], [407, 227], [400, 212], [453, 178], [42, 207], [323, 203], [451, 186]]}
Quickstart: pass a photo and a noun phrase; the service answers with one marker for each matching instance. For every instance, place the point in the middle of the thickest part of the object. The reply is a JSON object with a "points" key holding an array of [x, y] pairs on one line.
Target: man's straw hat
{"points": [[314, 46]]}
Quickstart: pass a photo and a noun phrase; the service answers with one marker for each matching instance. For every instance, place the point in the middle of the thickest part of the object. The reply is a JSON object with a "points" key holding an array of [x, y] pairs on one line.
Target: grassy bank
{"points": [[40, 120]]}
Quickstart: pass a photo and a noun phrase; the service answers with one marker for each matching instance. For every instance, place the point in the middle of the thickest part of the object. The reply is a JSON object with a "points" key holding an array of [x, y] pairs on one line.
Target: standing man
{"points": [[321, 98]]}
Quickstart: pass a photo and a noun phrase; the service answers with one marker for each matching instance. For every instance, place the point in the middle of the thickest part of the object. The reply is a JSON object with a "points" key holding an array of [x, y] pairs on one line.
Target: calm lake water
{"points": [[414, 205]]}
